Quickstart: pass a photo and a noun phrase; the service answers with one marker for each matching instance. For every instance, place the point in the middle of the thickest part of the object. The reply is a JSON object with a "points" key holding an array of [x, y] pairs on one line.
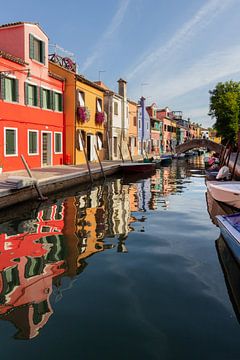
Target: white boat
{"points": [[225, 191]]}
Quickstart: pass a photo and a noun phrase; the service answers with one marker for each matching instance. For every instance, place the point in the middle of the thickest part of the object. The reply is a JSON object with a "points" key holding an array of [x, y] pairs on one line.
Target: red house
{"points": [[31, 105]]}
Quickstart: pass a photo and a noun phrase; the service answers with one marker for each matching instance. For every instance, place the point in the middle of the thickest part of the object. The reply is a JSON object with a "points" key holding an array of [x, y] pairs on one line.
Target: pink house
{"points": [[31, 105]]}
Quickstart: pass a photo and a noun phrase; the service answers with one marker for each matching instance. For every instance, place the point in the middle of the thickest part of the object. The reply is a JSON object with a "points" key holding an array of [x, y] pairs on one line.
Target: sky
{"points": [[172, 52]]}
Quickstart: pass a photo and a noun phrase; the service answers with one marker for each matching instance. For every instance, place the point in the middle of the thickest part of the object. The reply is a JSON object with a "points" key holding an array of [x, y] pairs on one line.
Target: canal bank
{"points": [[52, 180]]}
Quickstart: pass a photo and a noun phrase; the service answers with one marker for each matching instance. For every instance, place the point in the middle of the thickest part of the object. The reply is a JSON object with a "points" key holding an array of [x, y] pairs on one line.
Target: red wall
{"points": [[24, 118]]}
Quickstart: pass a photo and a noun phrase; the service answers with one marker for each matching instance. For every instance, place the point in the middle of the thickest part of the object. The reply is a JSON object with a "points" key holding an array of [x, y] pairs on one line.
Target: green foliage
{"points": [[225, 108]]}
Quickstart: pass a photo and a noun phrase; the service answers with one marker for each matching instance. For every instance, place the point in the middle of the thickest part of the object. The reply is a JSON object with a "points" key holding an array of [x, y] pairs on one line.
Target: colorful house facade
{"points": [[31, 106], [84, 118], [156, 130], [133, 128], [117, 131], [144, 135]]}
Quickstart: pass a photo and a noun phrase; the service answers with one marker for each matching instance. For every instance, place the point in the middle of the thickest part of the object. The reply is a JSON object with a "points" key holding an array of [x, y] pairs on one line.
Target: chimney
{"points": [[122, 88]]}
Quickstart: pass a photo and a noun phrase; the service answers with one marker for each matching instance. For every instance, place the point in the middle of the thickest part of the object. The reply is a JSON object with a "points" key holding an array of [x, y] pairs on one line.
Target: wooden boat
{"points": [[137, 167], [166, 159], [225, 191], [230, 229]]}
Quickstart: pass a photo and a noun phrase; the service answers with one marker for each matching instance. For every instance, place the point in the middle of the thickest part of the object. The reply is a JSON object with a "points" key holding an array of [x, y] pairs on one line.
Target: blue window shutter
{"points": [[31, 46]]}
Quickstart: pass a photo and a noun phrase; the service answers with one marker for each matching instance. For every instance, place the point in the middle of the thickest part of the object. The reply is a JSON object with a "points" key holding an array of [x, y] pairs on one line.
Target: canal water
{"points": [[130, 269]]}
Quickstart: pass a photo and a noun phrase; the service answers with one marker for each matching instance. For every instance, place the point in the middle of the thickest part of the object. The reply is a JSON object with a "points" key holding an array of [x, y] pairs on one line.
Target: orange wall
{"points": [[69, 100]]}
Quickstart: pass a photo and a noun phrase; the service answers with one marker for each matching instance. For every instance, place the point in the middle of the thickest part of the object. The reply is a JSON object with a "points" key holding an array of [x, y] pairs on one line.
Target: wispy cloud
{"points": [[188, 31], [102, 43], [209, 69]]}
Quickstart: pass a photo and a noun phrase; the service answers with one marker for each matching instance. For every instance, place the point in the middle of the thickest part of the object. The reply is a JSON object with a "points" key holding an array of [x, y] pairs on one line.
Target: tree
{"points": [[225, 108]]}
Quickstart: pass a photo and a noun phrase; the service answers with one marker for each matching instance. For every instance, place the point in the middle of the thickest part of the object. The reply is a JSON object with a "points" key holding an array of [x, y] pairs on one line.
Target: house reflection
{"points": [[39, 256]]}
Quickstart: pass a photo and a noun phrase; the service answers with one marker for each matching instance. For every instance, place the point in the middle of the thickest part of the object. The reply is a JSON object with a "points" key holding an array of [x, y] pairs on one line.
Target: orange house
{"points": [[133, 128]]}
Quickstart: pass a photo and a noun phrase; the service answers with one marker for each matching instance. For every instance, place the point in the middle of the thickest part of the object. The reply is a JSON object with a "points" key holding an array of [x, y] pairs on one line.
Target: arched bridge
{"points": [[198, 143]]}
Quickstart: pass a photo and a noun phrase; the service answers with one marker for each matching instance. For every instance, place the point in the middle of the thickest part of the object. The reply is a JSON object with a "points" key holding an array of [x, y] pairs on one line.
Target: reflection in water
{"points": [[43, 255], [231, 272]]}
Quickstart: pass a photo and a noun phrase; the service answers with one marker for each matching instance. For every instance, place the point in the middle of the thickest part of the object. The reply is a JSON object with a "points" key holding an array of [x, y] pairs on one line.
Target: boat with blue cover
{"points": [[230, 229]]}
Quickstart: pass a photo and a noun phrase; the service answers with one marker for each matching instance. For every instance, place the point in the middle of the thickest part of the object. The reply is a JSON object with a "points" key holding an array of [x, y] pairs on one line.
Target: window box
{"points": [[83, 114], [99, 118]]}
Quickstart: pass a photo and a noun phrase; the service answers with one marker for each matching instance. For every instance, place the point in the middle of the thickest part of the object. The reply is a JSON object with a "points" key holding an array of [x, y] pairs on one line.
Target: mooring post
{"points": [[130, 153], [120, 150], [235, 163], [100, 163], [86, 158], [41, 196]]}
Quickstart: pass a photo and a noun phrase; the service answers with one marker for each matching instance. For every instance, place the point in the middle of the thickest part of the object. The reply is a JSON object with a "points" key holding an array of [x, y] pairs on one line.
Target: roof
{"points": [[55, 76], [90, 83], [13, 58], [22, 23]]}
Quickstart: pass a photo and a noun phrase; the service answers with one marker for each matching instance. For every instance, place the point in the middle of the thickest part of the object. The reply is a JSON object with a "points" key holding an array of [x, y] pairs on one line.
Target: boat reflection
{"points": [[231, 271], [43, 255]]}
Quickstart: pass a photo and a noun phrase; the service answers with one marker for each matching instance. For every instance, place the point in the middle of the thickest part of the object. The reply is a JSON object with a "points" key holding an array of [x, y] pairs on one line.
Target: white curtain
{"points": [[99, 142], [80, 142], [81, 99], [99, 107]]}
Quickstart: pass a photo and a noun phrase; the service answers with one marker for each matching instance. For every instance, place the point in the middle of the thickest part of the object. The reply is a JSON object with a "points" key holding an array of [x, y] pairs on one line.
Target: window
{"points": [[10, 142], [36, 49], [147, 125], [165, 127], [115, 108], [139, 123], [99, 140], [9, 89], [46, 102], [58, 142], [134, 121], [32, 142], [57, 102], [81, 98], [99, 105], [31, 94]]}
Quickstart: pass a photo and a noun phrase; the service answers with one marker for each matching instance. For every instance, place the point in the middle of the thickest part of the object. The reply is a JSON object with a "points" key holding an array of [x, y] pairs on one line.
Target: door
{"points": [[46, 149]]}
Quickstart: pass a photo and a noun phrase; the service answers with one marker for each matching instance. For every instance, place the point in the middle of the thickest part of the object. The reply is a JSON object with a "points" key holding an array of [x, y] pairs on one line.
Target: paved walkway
{"points": [[54, 174]]}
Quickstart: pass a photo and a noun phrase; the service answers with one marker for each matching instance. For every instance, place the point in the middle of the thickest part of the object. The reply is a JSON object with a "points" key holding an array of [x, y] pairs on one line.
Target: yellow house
{"points": [[83, 116], [90, 120]]}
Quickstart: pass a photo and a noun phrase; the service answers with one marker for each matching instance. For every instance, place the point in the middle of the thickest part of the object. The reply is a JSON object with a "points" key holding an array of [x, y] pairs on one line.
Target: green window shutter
{"points": [[26, 93], [3, 95], [61, 102], [41, 96], [53, 101], [31, 46], [42, 59], [36, 96], [16, 91]]}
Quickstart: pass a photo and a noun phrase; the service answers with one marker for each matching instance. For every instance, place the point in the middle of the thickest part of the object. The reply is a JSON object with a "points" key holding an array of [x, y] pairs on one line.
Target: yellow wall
{"points": [[68, 108], [90, 127]]}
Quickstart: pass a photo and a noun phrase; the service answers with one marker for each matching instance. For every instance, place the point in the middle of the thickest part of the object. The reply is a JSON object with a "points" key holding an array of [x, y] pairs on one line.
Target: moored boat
{"points": [[136, 167], [225, 191], [166, 159], [230, 229]]}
